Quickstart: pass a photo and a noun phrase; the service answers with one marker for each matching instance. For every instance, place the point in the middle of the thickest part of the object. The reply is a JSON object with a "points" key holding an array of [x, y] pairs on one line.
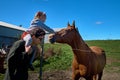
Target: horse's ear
{"points": [[68, 24], [73, 24]]}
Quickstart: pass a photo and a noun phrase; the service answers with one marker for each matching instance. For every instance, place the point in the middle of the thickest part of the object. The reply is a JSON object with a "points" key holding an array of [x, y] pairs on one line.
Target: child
{"points": [[38, 21]]}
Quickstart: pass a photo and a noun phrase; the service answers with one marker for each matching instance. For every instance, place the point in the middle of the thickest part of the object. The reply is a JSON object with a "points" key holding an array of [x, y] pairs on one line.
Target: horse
{"points": [[88, 62]]}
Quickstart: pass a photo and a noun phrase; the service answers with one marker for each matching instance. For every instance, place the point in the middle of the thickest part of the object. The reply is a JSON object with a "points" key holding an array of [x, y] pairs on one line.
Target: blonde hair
{"points": [[39, 14]]}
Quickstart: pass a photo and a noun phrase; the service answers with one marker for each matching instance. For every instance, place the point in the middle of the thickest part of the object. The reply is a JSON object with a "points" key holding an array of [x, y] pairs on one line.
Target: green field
{"points": [[61, 60]]}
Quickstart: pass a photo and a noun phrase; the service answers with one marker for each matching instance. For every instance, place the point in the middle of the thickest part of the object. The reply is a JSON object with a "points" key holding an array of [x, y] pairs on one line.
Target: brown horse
{"points": [[88, 62]]}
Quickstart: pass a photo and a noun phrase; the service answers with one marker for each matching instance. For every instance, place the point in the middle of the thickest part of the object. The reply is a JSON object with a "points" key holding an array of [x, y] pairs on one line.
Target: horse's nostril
{"points": [[52, 40]]}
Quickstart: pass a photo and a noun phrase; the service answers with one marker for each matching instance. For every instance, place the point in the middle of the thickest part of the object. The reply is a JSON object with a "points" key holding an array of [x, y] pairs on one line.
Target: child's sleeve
{"points": [[38, 23], [45, 27]]}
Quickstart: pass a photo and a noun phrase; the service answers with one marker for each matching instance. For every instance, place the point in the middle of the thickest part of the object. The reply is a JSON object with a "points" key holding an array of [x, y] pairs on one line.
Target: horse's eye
{"points": [[56, 32]]}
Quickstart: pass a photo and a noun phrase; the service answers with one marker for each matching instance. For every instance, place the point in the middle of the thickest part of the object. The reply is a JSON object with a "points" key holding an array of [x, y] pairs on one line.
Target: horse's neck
{"points": [[80, 49], [78, 43]]}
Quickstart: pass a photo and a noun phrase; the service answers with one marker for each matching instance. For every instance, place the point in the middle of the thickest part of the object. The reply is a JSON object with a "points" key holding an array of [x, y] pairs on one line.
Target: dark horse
{"points": [[88, 62]]}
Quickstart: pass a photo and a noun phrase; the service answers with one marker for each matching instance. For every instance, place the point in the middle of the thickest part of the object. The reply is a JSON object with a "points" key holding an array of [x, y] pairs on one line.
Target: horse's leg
{"points": [[95, 77], [76, 75], [89, 77], [100, 75], [75, 70]]}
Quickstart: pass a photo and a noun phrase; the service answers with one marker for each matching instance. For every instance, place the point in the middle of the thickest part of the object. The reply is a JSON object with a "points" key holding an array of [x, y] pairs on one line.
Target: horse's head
{"points": [[65, 35]]}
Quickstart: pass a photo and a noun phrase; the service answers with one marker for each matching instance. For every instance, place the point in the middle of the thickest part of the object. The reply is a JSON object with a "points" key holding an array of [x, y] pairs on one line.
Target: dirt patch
{"points": [[66, 75], [57, 75], [33, 76], [111, 76]]}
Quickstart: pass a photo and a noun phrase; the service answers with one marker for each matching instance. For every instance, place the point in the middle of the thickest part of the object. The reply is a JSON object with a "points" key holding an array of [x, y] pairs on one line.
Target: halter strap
{"points": [[81, 50]]}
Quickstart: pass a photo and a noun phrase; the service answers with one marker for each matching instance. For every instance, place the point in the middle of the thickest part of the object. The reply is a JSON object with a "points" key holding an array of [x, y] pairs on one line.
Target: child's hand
{"points": [[28, 49], [39, 48]]}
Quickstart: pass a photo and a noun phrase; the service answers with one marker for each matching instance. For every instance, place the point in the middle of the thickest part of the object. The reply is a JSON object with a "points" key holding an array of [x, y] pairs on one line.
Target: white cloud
{"points": [[99, 22]]}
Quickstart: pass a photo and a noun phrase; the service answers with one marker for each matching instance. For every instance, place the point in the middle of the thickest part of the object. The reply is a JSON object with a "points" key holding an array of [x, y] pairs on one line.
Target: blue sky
{"points": [[95, 19]]}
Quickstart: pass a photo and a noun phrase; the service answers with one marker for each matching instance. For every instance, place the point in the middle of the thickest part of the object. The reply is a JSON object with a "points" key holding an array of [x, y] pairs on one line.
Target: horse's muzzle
{"points": [[52, 40]]}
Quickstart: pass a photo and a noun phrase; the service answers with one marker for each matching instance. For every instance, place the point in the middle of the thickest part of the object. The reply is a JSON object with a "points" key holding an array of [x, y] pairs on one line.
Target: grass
{"points": [[63, 56], [1, 76]]}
